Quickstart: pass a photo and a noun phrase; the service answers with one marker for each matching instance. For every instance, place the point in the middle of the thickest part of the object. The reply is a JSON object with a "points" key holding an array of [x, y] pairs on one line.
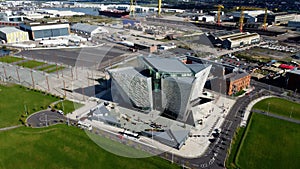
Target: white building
{"points": [[88, 30], [13, 35]]}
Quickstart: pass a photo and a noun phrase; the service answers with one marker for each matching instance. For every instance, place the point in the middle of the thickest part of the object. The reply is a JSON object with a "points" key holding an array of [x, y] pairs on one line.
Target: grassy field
{"points": [[269, 143], [264, 55], [15, 99], [31, 64], [9, 59], [54, 69], [61, 146], [47, 67], [67, 106], [280, 107], [230, 162]]}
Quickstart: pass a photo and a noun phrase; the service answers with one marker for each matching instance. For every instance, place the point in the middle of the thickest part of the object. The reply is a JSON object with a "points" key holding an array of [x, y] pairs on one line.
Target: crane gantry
{"points": [[220, 7], [159, 8], [132, 7], [243, 8]]}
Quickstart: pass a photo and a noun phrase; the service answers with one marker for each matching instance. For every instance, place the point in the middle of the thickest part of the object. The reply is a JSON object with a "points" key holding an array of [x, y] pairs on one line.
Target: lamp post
{"points": [[268, 108], [33, 85], [291, 112]]}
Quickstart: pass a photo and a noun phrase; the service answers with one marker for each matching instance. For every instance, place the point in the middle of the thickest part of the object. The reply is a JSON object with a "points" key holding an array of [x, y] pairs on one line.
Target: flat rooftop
{"points": [[170, 65], [244, 36], [10, 30]]}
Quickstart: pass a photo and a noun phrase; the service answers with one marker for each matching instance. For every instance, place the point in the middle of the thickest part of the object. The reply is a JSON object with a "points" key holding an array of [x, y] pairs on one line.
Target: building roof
{"points": [[126, 70], [172, 138], [170, 65], [243, 36], [197, 67], [235, 75], [224, 33], [7, 30], [285, 66], [84, 27]]}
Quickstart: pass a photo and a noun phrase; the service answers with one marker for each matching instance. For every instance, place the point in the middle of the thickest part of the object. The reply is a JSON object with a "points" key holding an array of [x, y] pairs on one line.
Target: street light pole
{"points": [[291, 112], [32, 79], [18, 75], [268, 108]]}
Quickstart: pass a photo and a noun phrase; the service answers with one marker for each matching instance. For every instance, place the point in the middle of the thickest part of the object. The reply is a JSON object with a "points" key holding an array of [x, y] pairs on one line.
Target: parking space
{"points": [[86, 57], [45, 118]]}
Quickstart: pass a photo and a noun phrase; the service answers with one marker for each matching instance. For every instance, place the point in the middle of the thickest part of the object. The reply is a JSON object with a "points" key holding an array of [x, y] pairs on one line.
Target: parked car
{"points": [[60, 112]]}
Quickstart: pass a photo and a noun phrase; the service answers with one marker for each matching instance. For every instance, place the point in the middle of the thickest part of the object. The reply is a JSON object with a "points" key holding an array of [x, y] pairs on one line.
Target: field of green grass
{"points": [[54, 69], [31, 64], [15, 99], [47, 67], [269, 143], [236, 141], [9, 59], [280, 107], [61, 146], [67, 106]]}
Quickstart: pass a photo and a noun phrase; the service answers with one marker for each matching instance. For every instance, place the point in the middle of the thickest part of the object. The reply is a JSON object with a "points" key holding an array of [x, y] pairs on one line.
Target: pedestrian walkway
{"points": [[9, 128], [249, 108], [277, 116]]}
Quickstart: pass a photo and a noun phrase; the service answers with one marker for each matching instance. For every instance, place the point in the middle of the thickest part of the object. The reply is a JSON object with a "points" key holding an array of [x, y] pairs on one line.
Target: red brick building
{"points": [[237, 81]]}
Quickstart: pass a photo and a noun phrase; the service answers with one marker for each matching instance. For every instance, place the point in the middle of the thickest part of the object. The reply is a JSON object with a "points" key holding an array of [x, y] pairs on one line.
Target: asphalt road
{"points": [[44, 118], [99, 57]]}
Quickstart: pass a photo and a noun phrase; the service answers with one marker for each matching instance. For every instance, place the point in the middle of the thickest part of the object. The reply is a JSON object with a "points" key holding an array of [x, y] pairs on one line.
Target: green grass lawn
{"points": [[54, 69], [9, 59], [31, 64], [15, 99], [230, 162], [269, 143], [46, 67], [67, 106], [279, 106], [61, 146]]}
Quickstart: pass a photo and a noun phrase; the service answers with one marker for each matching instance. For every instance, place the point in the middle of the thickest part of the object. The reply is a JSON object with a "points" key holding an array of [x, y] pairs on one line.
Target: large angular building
{"points": [[163, 84], [38, 31]]}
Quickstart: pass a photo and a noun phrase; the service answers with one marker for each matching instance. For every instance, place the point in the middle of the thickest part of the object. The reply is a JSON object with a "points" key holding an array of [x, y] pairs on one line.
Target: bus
{"points": [[84, 125]]}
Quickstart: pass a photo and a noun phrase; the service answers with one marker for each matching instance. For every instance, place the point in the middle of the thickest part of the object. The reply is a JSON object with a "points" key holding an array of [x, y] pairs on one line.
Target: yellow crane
{"points": [[242, 16], [220, 7], [132, 7], [159, 8]]}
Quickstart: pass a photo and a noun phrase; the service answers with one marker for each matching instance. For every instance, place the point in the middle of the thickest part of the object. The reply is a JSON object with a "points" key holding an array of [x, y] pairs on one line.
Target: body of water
{"points": [[4, 52], [87, 11]]}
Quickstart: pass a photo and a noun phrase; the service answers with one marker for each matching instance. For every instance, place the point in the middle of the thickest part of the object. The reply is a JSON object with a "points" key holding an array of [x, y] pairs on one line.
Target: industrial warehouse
{"points": [[87, 30], [13, 35], [38, 31], [233, 39]]}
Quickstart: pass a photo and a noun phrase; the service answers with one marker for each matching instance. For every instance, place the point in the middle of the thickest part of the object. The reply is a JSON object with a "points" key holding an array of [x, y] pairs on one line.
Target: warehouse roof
{"points": [[244, 36], [10, 30], [85, 27]]}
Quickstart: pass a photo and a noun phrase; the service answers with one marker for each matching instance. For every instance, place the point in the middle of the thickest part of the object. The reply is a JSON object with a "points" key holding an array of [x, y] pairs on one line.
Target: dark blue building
{"points": [[38, 31]]}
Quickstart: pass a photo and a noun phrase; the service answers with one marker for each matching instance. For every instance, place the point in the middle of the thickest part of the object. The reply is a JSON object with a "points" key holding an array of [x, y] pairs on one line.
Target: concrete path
{"points": [[249, 108], [11, 127], [277, 116]]}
